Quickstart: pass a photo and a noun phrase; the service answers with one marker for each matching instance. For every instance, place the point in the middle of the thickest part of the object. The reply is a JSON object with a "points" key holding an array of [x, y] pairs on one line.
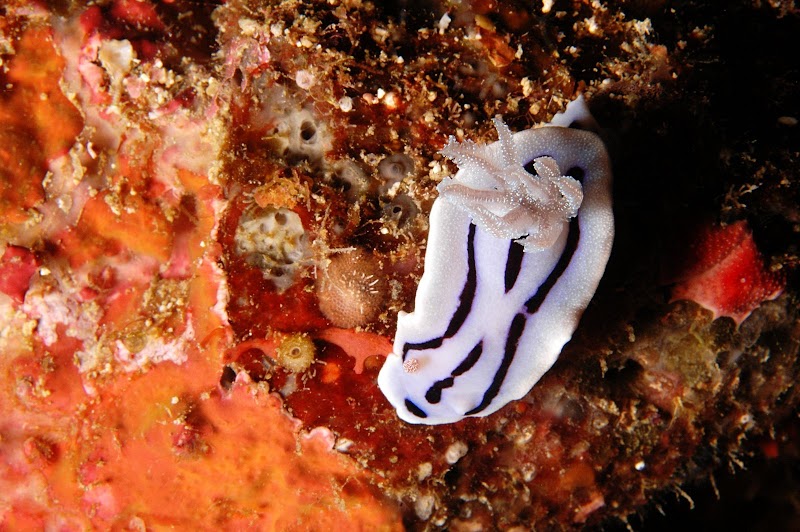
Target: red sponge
{"points": [[726, 273]]}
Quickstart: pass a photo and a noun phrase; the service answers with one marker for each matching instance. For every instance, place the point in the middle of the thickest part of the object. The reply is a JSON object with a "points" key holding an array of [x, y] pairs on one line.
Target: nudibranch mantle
{"points": [[513, 259]]}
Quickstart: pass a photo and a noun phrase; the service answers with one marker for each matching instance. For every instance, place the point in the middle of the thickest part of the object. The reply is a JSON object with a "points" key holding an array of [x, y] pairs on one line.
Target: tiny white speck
{"points": [[343, 445], [455, 452], [304, 79], [174, 400], [639, 466], [444, 23], [346, 104], [424, 470], [528, 473], [391, 100]]}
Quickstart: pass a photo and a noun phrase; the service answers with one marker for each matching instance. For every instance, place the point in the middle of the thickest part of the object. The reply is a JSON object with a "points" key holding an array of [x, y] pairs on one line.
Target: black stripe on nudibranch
{"points": [[470, 361], [464, 305], [512, 340], [468, 293], [533, 304], [430, 344], [434, 393], [414, 409], [513, 264]]}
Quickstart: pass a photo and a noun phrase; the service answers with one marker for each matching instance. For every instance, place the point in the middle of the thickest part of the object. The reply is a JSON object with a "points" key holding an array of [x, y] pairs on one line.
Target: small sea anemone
{"points": [[296, 353], [348, 177], [393, 169], [401, 211], [351, 289]]}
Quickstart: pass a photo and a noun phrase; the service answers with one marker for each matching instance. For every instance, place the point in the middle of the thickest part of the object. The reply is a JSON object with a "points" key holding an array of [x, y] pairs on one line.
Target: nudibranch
{"points": [[519, 239]]}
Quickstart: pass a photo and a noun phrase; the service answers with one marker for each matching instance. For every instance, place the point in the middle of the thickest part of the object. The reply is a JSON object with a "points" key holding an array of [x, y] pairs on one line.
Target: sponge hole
{"points": [[308, 131]]}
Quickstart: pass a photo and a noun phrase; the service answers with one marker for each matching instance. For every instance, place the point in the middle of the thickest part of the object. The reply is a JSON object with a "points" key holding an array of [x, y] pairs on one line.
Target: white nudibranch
{"points": [[513, 259]]}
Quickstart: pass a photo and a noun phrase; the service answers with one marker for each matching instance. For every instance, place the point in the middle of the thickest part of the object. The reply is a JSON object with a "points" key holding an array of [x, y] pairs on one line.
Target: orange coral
{"points": [[37, 123], [175, 452], [162, 445], [136, 225]]}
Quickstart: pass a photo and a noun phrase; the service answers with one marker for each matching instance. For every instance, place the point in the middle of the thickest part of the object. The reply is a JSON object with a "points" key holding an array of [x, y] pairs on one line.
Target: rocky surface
{"points": [[185, 185]]}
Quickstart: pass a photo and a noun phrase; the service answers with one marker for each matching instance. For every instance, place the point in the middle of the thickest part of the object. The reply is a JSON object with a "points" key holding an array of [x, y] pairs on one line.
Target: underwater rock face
{"points": [[161, 161]]}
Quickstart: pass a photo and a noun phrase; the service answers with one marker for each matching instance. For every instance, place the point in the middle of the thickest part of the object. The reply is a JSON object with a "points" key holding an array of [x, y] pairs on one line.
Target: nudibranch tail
{"points": [[513, 259]]}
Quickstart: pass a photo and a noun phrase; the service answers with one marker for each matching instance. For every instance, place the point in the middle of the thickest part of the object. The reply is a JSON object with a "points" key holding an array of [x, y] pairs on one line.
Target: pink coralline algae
{"points": [[727, 274]]}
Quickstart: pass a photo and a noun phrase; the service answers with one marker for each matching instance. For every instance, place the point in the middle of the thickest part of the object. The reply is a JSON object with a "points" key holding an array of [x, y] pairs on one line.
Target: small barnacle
{"points": [[401, 210], [393, 169], [348, 177], [296, 353]]}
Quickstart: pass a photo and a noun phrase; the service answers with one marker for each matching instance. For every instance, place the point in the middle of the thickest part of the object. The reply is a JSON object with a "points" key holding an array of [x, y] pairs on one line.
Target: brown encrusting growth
{"points": [[212, 213]]}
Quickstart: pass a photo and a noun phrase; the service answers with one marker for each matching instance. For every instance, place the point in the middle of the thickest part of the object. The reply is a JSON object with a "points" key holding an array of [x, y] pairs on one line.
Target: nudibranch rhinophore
{"points": [[513, 259]]}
